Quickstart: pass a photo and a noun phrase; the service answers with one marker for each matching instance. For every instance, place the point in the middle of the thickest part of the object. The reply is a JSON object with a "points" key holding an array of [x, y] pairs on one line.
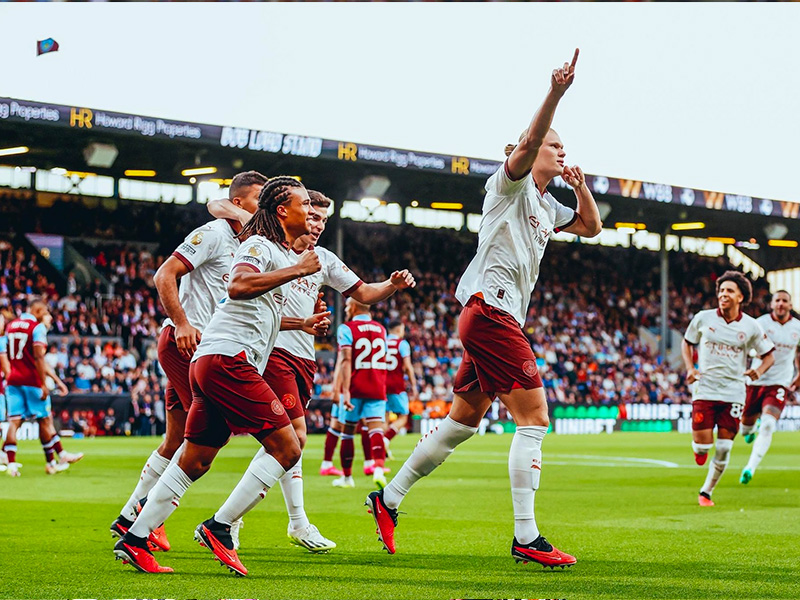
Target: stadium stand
{"points": [[584, 320]]}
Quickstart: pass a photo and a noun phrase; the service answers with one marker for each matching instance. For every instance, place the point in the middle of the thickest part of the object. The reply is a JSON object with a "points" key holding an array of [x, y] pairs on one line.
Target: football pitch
{"points": [[624, 504]]}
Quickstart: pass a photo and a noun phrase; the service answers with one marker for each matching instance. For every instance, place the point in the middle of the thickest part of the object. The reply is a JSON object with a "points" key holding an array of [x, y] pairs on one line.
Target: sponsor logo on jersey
{"points": [[197, 238], [186, 248], [226, 277], [289, 401], [501, 293], [277, 407]]}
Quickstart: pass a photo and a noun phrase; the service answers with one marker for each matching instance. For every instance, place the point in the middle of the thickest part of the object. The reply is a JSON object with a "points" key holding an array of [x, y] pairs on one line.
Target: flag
{"points": [[45, 46]]}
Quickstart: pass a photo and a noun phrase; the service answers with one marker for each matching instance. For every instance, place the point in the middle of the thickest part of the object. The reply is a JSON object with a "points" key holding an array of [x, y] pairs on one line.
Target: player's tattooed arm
{"points": [[372, 293], [520, 159]]}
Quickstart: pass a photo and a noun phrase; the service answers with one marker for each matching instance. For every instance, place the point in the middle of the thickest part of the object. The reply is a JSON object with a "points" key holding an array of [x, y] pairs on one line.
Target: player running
{"points": [[229, 393], [398, 365], [27, 394], [722, 337], [291, 366], [361, 385], [768, 398], [202, 264], [519, 216]]}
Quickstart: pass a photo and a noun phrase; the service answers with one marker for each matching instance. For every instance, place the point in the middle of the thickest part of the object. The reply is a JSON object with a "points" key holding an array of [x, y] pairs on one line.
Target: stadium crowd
{"points": [[583, 322]]}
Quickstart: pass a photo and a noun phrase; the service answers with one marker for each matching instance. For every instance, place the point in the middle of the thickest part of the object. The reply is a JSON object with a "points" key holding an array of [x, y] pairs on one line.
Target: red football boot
{"points": [[138, 556], [542, 552], [217, 538], [385, 520]]}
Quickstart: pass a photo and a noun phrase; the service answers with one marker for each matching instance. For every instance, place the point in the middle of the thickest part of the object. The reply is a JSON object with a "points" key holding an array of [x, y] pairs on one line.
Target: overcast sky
{"points": [[701, 95]]}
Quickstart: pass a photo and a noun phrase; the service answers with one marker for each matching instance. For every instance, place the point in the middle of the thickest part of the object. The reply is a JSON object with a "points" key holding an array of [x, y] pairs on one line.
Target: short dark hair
{"points": [[742, 282], [319, 199], [393, 324], [243, 180], [782, 292]]}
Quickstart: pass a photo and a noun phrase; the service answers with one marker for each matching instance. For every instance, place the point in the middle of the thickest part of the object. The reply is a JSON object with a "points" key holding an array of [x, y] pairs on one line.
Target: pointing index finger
{"points": [[575, 57]]}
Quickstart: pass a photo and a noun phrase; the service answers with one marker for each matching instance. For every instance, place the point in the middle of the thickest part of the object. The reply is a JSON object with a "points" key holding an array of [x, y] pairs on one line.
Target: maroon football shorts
{"points": [[497, 355], [761, 396], [178, 393], [292, 380], [230, 397], [707, 413]]}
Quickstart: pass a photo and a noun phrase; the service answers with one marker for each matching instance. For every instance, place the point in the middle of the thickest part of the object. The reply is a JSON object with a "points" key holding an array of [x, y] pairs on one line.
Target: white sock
{"points": [[377, 473], [369, 463], [524, 470], [701, 448], [262, 473], [430, 452], [162, 501], [763, 440], [292, 488], [326, 464], [717, 466], [746, 429], [152, 471]]}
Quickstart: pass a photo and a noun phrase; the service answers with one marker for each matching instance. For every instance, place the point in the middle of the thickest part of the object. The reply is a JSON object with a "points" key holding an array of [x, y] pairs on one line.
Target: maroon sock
{"points": [[11, 451], [47, 447], [378, 449], [365, 444], [330, 445], [57, 445], [390, 433], [347, 453]]}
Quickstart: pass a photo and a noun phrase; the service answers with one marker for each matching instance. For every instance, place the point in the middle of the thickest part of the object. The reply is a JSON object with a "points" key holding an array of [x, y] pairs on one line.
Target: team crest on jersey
{"points": [[253, 251], [289, 401], [197, 238], [529, 368], [796, 336], [741, 336], [277, 407]]}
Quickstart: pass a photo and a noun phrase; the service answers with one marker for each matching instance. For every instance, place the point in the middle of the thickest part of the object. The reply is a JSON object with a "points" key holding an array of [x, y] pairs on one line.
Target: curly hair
{"points": [[265, 221], [741, 281]]}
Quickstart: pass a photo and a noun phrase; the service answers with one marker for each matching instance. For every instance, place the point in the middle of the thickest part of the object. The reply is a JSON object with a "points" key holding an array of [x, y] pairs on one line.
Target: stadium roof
{"points": [[58, 136]]}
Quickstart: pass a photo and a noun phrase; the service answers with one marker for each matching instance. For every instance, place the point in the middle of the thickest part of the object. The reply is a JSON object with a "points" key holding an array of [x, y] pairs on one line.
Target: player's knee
{"points": [[768, 423], [302, 438], [288, 455], [194, 466]]}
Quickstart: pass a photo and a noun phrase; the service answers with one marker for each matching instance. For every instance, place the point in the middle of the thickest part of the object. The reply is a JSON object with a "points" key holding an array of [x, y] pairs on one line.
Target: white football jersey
{"points": [[515, 226], [207, 252], [302, 296], [722, 350], [249, 325], [786, 337]]}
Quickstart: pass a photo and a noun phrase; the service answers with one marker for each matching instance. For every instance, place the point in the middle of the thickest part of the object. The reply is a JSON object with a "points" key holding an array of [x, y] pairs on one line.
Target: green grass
{"points": [[635, 527]]}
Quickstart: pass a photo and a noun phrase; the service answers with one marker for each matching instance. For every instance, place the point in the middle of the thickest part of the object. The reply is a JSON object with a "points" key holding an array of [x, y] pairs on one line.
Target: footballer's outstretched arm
{"points": [[521, 159], [372, 293]]}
